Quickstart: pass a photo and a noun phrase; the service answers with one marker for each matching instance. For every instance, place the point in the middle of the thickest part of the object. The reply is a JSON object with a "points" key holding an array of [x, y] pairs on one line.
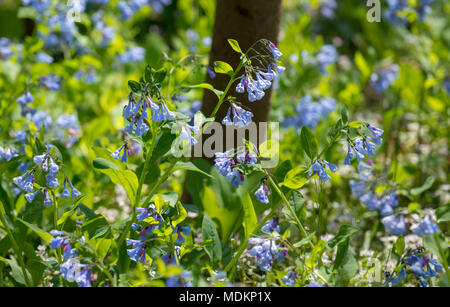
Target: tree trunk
{"points": [[246, 21]]}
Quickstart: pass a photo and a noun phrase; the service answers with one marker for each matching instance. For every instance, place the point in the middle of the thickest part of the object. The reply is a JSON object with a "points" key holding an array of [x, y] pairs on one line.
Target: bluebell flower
{"points": [[275, 51], [426, 227], [210, 72], [327, 55], [395, 225], [188, 132], [271, 226], [317, 168], [241, 117], [135, 54], [75, 193], [50, 82], [309, 113], [137, 251], [290, 278], [315, 284], [162, 113], [30, 196], [47, 199], [381, 80], [43, 57], [262, 194], [126, 10], [27, 97], [328, 8], [265, 251], [5, 49], [116, 154], [25, 182], [41, 119]]}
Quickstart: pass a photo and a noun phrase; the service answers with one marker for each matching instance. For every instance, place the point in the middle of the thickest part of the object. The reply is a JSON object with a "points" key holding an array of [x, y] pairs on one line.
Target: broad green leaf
{"points": [[159, 203], [190, 166], [355, 124], [101, 163], [443, 213], [250, 221], [208, 87], [297, 203], [209, 232], [308, 142], [296, 178], [134, 86], [345, 231], [222, 68], [235, 45], [127, 179], [427, 184], [181, 214], [344, 263], [399, 245], [44, 235]]}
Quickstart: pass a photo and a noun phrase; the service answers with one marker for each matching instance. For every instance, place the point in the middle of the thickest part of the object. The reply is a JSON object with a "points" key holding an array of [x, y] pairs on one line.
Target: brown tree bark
{"points": [[246, 21]]}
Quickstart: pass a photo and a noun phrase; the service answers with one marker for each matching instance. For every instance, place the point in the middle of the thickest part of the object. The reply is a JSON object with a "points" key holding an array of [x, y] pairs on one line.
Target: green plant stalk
{"points": [[15, 247], [442, 254], [291, 210], [139, 189], [222, 97]]}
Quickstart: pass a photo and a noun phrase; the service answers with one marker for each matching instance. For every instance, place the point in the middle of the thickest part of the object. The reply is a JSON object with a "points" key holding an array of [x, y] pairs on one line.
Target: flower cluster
{"points": [[398, 10], [262, 193], [227, 165], [309, 113], [382, 79], [151, 221], [241, 117], [133, 54], [318, 167], [71, 269], [328, 8], [415, 262], [267, 250], [128, 8], [364, 145], [256, 80], [326, 56], [385, 203]]}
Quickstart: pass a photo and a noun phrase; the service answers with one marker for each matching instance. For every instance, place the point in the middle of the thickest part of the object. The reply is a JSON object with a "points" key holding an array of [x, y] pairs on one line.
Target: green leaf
{"points": [[101, 163], [223, 68], [297, 203], [44, 235], [308, 142], [190, 166], [17, 272], [127, 179], [345, 263], [296, 178], [250, 221], [304, 241], [148, 74], [428, 183], [181, 214], [208, 87], [209, 232], [345, 231], [344, 115], [235, 45], [67, 214], [362, 66], [399, 245], [134, 86], [443, 213], [159, 75], [355, 124]]}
